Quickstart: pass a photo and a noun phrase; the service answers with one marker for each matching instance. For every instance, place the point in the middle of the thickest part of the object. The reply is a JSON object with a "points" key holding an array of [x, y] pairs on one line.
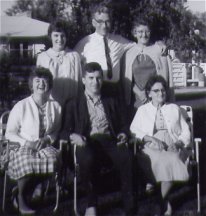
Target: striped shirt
{"points": [[98, 120]]}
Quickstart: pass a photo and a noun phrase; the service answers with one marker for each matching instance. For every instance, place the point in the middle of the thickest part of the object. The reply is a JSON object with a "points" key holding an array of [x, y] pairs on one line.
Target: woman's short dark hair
{"points": [[41, 73], [57, 26], [91, 68], [155, 79]]}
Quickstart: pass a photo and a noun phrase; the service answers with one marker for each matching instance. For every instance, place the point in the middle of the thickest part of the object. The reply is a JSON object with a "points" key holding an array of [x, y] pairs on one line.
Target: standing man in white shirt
{"points": [[104, 48]]}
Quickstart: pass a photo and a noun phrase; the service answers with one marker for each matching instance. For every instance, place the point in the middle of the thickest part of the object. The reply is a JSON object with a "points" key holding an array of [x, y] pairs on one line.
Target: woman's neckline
{"points": [[40, 102]]}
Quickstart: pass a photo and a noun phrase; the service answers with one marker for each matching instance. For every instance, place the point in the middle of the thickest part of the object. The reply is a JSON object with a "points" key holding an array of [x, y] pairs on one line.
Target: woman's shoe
{"points": [[15, 203], [14, 198], [166, 208], [27, 211], [168, 212]]}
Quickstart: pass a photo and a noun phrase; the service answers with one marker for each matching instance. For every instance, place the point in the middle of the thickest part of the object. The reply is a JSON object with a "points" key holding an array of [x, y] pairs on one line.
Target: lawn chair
{"points": [[65, 146], [5, 148], [193, 159]]}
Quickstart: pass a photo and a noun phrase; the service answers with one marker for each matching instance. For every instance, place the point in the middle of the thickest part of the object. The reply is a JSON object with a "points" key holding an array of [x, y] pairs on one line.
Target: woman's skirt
{"points": [[24, 162], [166, 165]]}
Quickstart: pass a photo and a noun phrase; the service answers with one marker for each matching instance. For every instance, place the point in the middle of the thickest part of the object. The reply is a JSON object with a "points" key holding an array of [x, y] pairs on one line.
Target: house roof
{"points": [[22, 26]]}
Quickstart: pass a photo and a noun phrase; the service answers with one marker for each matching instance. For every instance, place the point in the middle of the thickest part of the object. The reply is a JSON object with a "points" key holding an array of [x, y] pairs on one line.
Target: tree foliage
{"points": [[170, 20]]}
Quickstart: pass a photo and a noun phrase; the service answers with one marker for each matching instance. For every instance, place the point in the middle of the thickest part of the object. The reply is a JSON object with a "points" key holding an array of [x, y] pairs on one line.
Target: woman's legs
{"points": [[165, 188], [23, 208]]}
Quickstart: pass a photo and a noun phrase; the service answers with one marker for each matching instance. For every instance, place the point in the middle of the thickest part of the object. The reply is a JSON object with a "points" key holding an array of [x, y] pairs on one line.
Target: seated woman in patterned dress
{"points": [[165, 135], [33, 123]]}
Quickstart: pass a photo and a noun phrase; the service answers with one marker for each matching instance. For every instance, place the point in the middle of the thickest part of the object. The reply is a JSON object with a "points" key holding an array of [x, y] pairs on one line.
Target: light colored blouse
{"points": [[65, 67], [144, 122], [24, 122]]}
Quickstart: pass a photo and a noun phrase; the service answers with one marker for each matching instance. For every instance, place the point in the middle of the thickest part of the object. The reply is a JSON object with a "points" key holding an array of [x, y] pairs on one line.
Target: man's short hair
{"points": [[100, 8], [91, 68]]}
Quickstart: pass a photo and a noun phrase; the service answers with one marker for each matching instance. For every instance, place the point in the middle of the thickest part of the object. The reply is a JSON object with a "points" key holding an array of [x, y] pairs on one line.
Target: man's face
{"points": [[93, 82], [101, 23]]}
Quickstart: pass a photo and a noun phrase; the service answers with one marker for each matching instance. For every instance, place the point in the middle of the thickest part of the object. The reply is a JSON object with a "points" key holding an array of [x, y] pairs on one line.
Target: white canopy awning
{"points": [[22, 26]]}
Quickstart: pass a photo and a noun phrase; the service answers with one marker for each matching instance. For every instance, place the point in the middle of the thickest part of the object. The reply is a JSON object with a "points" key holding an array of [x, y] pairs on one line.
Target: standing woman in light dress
{"points": [[63, 63], [34, 123], [143, 60], [165, 136]]}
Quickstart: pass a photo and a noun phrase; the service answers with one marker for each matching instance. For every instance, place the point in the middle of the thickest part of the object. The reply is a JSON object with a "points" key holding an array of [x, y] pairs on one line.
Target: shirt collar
{"points": [[57, 54], [95, 100], [98, 36]]}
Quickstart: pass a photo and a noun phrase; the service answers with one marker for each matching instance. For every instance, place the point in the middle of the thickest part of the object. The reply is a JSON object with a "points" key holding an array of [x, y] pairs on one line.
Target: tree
{"points": [[170, 20]]}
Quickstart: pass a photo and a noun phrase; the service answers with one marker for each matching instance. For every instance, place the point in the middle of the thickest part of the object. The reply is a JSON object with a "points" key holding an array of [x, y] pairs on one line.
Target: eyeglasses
{"points": [[101, 22], [158, 91], [143, 32]]}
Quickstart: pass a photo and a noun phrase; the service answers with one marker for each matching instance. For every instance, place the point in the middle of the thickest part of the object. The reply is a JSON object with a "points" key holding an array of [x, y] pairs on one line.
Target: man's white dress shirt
{"points": [[92, 49]]}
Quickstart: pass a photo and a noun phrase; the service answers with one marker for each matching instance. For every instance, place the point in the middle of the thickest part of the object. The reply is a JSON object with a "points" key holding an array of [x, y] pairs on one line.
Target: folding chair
{"points": [[64, 145], [5, 148], [194, 159]]}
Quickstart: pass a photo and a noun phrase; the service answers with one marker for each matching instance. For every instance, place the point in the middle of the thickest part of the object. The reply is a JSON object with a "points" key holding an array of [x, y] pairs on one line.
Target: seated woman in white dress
{"points": [[64, 64], [34, 123], [165, 133]]}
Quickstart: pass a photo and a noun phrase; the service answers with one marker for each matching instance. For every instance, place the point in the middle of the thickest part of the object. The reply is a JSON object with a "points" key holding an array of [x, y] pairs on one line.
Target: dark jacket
{"points": [[76, 117]]}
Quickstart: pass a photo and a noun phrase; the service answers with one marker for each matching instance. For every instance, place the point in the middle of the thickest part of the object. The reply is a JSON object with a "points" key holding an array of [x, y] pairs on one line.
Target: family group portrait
{"points": [[103, 107]]}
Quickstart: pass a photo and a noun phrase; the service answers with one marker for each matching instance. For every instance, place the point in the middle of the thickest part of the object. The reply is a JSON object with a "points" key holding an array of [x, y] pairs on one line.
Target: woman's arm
{"points": [[14, 125], [185, 135], [137, 126]]}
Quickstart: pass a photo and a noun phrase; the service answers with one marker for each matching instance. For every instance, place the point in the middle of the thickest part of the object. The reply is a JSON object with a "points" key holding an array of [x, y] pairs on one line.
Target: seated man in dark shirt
{"points": [[95, 124]]}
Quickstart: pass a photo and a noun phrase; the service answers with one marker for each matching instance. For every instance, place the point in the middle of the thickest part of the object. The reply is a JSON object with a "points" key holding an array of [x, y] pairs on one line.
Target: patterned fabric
{"points": [[65, 67], [99, 123], [24, 161], [42, 120]]}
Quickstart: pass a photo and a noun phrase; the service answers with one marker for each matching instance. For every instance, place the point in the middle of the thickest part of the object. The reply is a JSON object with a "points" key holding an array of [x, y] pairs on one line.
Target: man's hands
{"points": [[122, 139], [77, 139]]}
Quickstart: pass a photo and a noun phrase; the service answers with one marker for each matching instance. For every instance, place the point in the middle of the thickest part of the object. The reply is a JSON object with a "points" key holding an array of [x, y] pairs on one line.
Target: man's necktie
{"points": [[108, 58]]}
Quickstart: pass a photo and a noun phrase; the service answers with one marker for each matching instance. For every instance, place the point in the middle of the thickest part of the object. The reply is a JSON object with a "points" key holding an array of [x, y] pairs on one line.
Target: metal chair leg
{"points": [[4, 191], [197, 141], [75, 182], [57, 193]]}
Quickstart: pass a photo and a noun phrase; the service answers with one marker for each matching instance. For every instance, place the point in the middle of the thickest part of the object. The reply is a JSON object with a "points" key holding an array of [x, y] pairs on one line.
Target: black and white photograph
{"points": [[103, 107]]}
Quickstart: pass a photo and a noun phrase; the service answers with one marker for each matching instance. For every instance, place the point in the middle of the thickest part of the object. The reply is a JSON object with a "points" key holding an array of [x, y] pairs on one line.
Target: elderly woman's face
{"points": [[40, 85], [142, 34], [58, 40], [158, 94]]}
